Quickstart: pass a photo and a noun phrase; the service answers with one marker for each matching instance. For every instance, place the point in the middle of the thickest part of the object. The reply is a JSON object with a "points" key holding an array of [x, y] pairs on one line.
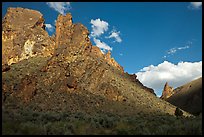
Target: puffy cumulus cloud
{"points": [[103, 46], [195, 5], [115, 34], [98, 27], [176, 75], [49, 27], [60, 7]]}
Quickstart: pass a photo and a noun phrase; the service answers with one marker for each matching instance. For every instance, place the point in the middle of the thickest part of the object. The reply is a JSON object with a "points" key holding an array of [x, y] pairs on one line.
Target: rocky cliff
{"points": [[24, 36], [65, 71]]}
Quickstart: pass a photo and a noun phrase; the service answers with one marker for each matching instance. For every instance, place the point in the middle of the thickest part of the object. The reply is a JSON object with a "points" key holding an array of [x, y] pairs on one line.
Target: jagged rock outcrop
{"points": [[71, 68], [167, 92], [84, 65], [97, 52], [24, 36], [112, 62]]}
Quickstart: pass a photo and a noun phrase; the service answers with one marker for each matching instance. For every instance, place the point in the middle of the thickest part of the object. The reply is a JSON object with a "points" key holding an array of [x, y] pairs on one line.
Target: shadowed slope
{"points": [[188, 97]]}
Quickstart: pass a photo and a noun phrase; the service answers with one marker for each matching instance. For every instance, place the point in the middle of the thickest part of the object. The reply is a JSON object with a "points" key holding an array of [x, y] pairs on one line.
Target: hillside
{"points": [[65, 85], [188, 97]]}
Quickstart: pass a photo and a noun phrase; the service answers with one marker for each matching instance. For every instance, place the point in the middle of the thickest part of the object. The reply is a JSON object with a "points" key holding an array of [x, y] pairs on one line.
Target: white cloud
{"points": [[195, 5], [98, 27], [49, 27], [60, 7], [115, 34], [103, 46], [174, 50], [186, 47], [176, 75]]}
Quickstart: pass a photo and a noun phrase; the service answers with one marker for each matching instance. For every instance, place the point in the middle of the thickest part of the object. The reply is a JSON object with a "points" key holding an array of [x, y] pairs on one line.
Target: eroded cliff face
{"points": [[78, 65], [56, 70], [24, 36]]}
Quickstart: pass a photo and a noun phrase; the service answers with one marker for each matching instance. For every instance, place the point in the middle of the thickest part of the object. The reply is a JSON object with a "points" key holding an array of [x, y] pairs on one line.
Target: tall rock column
{"points": [[167, 92]]}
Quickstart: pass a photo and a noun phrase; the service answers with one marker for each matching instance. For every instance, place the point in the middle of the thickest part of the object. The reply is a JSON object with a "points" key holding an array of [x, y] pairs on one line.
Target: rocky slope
{"points": [[66, 73], [74, 66], [188, 97]]}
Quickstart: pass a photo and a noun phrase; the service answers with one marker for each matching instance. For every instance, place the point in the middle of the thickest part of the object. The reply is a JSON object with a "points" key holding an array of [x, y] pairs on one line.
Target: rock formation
{"points": [[167, 92], [112, 62], [66, 71], [65, 85], [24, 36]]}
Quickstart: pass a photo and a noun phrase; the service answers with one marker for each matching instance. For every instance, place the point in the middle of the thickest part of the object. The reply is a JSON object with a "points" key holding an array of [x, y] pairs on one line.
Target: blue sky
{"points": [[151, 35]]}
